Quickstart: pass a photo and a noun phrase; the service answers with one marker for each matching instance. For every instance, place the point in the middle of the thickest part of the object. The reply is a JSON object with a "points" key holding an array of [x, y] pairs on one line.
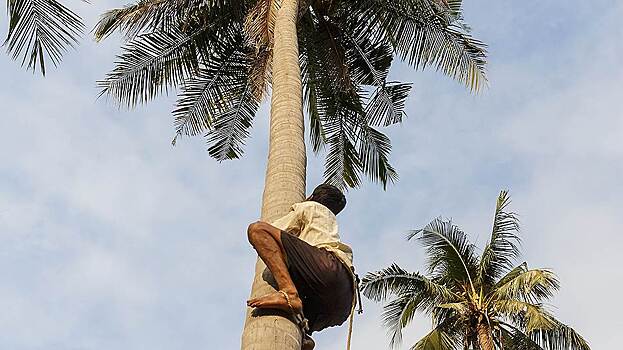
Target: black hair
{"points": [[329, 196]]}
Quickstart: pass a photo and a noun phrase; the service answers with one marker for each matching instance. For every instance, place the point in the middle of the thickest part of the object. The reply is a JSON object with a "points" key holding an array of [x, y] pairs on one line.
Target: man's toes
{"points": [[308, 343]]}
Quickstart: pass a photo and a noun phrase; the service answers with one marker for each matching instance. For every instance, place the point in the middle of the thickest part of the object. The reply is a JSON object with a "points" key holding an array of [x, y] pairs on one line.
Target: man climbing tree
{"points": [[311, 266]]}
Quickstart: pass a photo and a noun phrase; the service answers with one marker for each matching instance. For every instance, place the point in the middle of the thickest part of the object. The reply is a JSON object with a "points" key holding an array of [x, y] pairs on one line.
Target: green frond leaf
{"points": [[387, 104], [530, 286], [424, 33], [41, 30], [212, 91], [437, 339], [449, 252], [518, 270], [396, 281], [230, 129], [526, 315], [335, 104], [324, 44], [153, 63], [145, 15], [374, 150], [502, 250], [559, 337], [313, 82], [369, 57], [459, 307], [517, 340], [397, 314], [413, 292], [343, 165], [316, 132]]}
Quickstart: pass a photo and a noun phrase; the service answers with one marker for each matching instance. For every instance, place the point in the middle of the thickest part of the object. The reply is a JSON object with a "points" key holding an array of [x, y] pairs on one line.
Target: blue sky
{"points": [[112, 239]]}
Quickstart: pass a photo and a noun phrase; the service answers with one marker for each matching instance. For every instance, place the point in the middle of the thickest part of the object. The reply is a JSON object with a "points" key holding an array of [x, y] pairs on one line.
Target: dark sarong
{"points": [[324, 283]]}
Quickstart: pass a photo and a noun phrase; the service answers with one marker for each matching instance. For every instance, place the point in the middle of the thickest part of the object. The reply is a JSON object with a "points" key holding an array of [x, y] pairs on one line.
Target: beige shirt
{"points": [[316, 225]]}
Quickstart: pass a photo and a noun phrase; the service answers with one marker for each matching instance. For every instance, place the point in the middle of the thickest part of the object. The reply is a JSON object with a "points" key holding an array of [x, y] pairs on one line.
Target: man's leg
{"points": [[266, 239]]}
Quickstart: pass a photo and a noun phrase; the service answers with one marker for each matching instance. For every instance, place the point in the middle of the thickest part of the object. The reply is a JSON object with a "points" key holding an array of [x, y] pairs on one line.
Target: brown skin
{"points": [[266, 239]]}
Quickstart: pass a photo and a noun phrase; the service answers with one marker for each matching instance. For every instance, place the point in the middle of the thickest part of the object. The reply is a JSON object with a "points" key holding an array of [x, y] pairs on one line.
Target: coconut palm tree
{"points": [[475, 302], [334, 55], [41, 30], [220, 54]]}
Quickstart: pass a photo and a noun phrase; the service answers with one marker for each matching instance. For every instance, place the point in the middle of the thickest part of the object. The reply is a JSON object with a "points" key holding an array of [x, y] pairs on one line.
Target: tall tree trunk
{"points": [[285, 173], [485, 338]]}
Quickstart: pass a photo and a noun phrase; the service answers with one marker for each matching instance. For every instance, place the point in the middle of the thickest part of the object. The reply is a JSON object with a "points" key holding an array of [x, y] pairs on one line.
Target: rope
{"points": [[350, 327], [352, 310]]}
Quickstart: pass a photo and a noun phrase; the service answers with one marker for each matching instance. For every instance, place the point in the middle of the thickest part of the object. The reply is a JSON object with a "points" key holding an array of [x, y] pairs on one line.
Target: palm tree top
{"points": [[220, 53], [475, 301]]}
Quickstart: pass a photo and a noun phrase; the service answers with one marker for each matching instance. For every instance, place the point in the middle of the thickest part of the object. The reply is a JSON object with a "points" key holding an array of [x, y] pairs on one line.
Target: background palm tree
{"points": [[337, 54], [40, 31], [475, 302]]}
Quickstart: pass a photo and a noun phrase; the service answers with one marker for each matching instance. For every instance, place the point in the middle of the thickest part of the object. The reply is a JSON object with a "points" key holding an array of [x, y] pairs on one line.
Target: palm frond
{"points": [[559, 337], [369, 62], [459, 307], [343, 164], [437, 339], [153, 63], [211, 92], [230, 128], [146, 16], [311, 76], [316, 132], [397, 314], [454, 5], [531, 286], [448, 249], [424, 33], [518, 270], [259, 26], [502, 250], [337, 106], [134, 19], [328, 45], [41, 30], [355, 146], [386, 105], [261, 73], [527, 316], [396, 281], [374, 150], [515, 339]]}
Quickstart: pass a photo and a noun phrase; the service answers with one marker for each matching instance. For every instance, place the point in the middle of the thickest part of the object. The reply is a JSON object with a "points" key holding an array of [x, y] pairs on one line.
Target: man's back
{"points": [[315, 224]]}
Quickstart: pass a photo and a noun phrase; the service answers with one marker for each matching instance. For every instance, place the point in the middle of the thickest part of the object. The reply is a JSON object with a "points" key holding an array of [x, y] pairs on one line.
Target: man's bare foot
{"points": [[277, 301], [308, 343]]}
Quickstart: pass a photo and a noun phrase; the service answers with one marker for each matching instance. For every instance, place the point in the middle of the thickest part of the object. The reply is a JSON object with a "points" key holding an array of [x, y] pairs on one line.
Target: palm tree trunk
{"points": [[285, 173], [485, 338]]}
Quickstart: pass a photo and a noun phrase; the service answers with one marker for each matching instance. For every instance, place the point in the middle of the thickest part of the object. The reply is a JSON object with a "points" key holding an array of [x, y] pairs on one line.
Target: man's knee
{"points": [[256, 230]]}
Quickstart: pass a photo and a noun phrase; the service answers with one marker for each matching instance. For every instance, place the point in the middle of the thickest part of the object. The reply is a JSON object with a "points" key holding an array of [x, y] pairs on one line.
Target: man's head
{"points": [[329, 196]]}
